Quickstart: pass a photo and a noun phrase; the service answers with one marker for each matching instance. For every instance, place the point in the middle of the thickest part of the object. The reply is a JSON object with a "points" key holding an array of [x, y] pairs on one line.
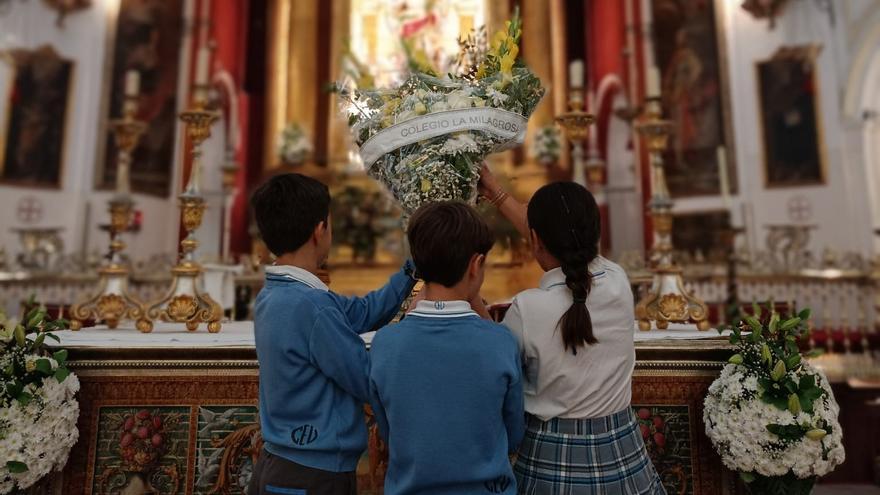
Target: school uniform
{"points": [[447, 394], [582, 437], [314, 381]]}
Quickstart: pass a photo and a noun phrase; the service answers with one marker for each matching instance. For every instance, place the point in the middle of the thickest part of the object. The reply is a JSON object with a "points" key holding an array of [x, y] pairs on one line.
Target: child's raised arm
{"points": [[378, 307]]}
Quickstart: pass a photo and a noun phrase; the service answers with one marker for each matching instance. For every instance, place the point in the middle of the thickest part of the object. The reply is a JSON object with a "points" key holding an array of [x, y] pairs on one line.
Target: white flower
{"points": [[39, 435], [498, 98], [459, 99], [738, 428]]}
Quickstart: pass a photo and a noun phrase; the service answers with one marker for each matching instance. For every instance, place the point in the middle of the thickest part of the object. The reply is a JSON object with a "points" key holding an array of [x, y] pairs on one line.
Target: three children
{"points": [[445, 384]]}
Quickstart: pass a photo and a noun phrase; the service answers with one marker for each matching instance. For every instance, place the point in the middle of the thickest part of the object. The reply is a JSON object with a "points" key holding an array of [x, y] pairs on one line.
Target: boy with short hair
{"points": [[445, 384], [313, 364]]}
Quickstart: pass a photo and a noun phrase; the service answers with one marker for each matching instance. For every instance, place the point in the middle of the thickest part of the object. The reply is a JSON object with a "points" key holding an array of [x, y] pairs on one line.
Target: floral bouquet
{"points": [[425, 140], [548, 145], [38, 411], [770, 415], [293, 144]]}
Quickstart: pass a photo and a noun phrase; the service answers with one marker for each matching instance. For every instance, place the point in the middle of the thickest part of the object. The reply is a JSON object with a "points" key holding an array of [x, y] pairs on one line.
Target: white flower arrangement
{"points": [[293, 144], [770, 415], [38, 408], [445, 163], [547, 146]]}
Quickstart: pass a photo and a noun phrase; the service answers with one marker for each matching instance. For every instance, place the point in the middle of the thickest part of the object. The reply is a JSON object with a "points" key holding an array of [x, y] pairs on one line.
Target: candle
{"points": [[202, 66], [132, 82], [723, 179], [653, 82], [576, 74]]}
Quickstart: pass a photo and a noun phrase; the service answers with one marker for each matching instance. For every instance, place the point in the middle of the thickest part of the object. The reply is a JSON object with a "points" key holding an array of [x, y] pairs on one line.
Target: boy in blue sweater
{"points": [[313, 364], [445, 383]]}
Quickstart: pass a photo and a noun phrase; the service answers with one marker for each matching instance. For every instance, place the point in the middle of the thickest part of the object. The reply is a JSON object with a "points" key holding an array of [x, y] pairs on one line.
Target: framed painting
{"points": [[788, 92], [702, 232], [147, 38], [36, 92], [689, 52]]}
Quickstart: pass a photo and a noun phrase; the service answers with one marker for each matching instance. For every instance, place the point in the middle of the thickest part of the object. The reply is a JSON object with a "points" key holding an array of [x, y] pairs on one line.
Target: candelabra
{"points": [[667, 301], [185, 302], [576, 124], [113, 302]]}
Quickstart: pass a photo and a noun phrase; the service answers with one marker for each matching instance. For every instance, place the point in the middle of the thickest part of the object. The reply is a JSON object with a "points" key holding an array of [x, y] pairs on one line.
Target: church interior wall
{"points": [[840, 208], [77, 205]]}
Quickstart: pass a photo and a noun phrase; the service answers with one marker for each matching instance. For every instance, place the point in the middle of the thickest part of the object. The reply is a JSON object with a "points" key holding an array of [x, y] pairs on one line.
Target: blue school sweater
{"points": [[314, 366], [446, 390]]}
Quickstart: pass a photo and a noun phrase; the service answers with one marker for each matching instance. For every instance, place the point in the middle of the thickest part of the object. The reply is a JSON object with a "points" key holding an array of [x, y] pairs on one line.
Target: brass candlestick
{"points": [[112, 302], [576, 124], [667, 301], [185, 302]]}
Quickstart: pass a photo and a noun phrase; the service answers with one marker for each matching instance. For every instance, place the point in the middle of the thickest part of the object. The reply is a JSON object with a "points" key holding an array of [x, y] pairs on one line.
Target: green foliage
{"points": [[777, 485], [24, 356], [767, 344]]}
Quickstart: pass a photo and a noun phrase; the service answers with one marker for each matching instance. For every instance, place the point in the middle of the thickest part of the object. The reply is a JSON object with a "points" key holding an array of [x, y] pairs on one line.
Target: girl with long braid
{"points": [[575, 333]]}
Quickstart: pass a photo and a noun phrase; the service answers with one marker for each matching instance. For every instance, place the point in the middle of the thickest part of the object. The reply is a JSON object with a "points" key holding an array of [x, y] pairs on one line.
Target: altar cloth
{"points": [[241, 334]]}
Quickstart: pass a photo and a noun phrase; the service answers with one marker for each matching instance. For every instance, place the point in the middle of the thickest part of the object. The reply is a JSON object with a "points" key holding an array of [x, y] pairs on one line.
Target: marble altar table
{"points": [[198, 391]]}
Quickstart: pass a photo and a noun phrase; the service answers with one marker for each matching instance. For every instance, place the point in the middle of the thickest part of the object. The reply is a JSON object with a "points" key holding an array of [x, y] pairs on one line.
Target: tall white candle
{"points": [[132, 82], [723, 179], [576, 74], [652, 82], [202, 66]]}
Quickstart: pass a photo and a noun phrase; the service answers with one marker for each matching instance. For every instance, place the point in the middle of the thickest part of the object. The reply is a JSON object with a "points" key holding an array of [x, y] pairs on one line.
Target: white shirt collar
{"points": [[298, 274], [555, 277], [443, 309]]}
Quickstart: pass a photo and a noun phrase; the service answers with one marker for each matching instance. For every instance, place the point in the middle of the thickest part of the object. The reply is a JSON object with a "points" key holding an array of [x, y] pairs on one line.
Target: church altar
{"points": [[195, 396]]}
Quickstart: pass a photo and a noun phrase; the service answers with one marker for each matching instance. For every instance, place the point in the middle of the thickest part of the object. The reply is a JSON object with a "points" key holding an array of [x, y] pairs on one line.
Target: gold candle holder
{"points": [[185, 302], [113, 303], [667, 301], [576, 124]]}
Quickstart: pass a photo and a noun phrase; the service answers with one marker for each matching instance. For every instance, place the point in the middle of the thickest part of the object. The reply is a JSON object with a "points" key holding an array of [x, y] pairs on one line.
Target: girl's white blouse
{"points": [[597, 381]]}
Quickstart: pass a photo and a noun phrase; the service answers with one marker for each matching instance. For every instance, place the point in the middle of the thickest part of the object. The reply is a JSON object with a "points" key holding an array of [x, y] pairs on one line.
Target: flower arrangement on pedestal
{"points": [[38, 410], [426, 139], [770, 415], [547, 147], [293, 144]]}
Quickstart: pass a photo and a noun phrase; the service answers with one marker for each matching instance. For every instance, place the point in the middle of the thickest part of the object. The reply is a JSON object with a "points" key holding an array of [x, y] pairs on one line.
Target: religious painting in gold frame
{"points": [[147, 36], [791, 117], [690, 52], [34, 126]]}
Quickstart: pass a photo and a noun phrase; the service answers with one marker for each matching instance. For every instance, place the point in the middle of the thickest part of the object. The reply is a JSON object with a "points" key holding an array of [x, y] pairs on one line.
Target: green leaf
{"points": [[16, 467], [24, 399], [794, 404], [808, 393], [756, 308], [815, 353], [789, 324], [44, 366], [805, 314], [61, 373], [754, 323], [793, 361], [735, 359], [14, 388], [787, 432], [747, 477], [38, 342], [37, 318], [60, 356]]}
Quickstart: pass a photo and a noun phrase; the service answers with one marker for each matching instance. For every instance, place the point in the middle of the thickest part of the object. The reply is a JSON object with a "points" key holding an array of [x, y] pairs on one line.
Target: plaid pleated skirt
{"points": [[586, 456]]}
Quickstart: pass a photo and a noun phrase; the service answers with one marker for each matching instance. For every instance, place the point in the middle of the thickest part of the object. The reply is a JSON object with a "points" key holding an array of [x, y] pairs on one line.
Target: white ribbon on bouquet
{"points": [[509, 126]]}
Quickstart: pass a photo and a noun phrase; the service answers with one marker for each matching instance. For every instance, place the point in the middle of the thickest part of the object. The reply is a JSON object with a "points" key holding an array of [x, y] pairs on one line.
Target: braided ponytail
{"points": [[566, 219]]}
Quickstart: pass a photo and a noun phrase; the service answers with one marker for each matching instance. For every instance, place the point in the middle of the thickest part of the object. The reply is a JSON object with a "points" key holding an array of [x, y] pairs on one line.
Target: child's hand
{"points": [[488, 185]]}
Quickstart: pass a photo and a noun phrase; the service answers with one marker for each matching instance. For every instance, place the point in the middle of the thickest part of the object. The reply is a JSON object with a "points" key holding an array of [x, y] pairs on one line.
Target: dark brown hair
{"points": [[287, 208], [443, 237], [565, 217]]}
